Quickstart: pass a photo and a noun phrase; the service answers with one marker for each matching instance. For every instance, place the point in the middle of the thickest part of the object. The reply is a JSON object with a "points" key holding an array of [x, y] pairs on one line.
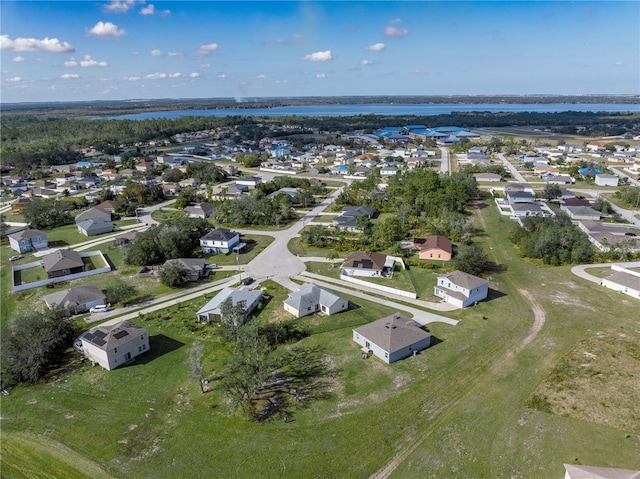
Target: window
{"points": [[142, 338], [139, 349], [115, 350], [386, 355]]}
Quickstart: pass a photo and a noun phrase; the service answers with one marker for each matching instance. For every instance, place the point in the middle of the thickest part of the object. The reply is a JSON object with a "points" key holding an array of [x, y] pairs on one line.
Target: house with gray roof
{"points": [[194, 268], [349, 215], [220, 240], [62, 262], [94, 221], [392, 338], [28, 240], [461, 289], [212, 311], [111, 346], [581, 212], [578, 471], [80, 299], [311, 298], [623, 280], [201, 210]]}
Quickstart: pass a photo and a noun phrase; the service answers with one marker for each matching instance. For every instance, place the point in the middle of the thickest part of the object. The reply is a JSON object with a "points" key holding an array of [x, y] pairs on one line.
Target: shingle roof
{"points": [[464, 280], [365, 260], [625, 279], [591, 472], [62, 259], [75, 296], [430, 242], [109, 337], [392, 333], [310, 295], [26, 234], [93, 213], [219, 234], [236, 295]]}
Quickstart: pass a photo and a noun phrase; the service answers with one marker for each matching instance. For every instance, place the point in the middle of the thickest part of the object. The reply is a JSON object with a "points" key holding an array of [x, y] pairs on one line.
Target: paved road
{"points": [[512, 169], [628, 215], [580, 270], [445, 163]]}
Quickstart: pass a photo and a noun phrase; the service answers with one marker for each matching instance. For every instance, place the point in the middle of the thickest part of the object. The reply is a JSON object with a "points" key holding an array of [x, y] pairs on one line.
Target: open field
{"points": [[459, 409]]}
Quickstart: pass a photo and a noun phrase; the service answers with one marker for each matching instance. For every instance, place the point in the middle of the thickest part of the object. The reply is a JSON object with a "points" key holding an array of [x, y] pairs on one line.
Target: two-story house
{"points": [[461, 289], [220, 240], [28, 240]]}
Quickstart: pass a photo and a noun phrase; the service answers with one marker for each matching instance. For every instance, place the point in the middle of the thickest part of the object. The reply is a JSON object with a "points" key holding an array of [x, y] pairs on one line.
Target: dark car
{"points": [[247, 281]]}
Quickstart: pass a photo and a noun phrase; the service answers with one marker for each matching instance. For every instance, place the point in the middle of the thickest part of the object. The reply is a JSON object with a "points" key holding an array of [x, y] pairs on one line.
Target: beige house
{"points": [[436, 248], [113, 346]]}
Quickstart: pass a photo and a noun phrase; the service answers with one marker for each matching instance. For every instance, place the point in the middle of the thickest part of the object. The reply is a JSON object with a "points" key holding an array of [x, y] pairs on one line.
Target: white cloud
{"points": [[365, 63], [395, 32], [70, 76], [376, 47], [118, 6], [48, 45], [320, 76], [261, 76], [148, 10], [395, 20], [106, 30], [89, 62], [155, 76], [14, 80], [207, 49], [205, 65], [176, 75], [319, 56], [132, 78], [17, 59], [156, 53], [194, 75], [222, 76], [175, 54], [70, 63]]}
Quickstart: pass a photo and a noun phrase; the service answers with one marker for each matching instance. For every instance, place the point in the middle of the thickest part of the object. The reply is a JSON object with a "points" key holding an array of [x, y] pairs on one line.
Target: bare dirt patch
{"points": [[597, 381], [567, 300]]}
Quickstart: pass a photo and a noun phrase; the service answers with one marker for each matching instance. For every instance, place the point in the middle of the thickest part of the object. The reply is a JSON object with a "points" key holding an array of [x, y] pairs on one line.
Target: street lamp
{"points": [[238, 264]]}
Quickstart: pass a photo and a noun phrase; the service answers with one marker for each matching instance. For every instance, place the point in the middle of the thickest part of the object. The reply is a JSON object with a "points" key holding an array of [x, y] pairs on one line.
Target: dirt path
{"points": [[539, 317]]}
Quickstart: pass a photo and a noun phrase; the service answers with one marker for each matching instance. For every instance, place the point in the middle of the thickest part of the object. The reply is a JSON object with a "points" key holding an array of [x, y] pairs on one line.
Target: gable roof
{"points": [[27, 234], [75, 296], [62, 259], [365, 260], [220, 234], [236, 294], [309, 295], [109, 337], [393, 332], [192, 264], [464, 280]]}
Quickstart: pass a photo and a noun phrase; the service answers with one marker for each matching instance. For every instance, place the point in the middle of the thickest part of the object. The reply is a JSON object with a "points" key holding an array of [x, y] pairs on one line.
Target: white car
{"points": [[101, 308]]}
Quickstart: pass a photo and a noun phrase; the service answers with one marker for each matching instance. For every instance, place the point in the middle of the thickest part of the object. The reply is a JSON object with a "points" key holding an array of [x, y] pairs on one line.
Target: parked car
{"points": [[101, 308], [15, 257], [247, 281]]}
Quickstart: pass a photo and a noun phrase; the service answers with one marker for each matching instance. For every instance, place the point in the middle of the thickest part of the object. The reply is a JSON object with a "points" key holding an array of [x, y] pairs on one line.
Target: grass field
{"points": [[459, 409]]}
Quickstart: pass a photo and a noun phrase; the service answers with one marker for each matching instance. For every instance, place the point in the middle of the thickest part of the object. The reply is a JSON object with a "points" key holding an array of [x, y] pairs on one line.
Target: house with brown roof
{"points": [[367, 264], [62, 263], [461, 289], [437, 248], [392, 338], [115, 345]]}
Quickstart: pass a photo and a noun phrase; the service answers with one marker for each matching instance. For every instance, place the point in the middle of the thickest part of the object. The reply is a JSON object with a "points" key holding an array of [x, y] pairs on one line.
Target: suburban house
{"points": [[28, 240], [195, 267], [81, 298], [367, 264], [115, 345], [311, 298], [62, 262], [201, 210], [212, 311], [348, 218], [514, 197], [560, 180], [609, 235], [623, 280], [392, 338], [491, 177], [581, 212], [461, 289], [437, 248], [17, 207], [94, 221], [125, 239], [249, 181], [107, 205], [526, 209], [606, 180], [220, 240], [575, 471]]}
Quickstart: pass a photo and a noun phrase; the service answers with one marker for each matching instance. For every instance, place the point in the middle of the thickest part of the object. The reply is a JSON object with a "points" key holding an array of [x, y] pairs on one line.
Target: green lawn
{"points": [[251, 251], [398, 281], [459, 409]]}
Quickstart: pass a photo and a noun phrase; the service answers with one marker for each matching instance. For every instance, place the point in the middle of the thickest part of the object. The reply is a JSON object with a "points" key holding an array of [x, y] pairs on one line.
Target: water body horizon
{"points": [[392, 109]]}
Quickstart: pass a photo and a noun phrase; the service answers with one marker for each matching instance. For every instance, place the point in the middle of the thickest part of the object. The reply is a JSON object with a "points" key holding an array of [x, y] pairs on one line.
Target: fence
{"points": [[399, 292], [69, 277]]}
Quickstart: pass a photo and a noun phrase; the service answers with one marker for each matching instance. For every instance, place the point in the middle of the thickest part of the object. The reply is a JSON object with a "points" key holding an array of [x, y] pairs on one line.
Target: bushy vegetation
{"points": [[47, 214], [256, 209], [554, 240]]}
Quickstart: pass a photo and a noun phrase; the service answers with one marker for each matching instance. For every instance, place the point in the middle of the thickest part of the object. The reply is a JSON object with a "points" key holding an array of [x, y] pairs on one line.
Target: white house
{"points": [[220, 240], [461, 289], [81, 298], [115, 345], [581, 212], [94, 221], [212, 311], [624, 281], [28, 240], [575, 471], [311, 298], [249, 181], [606, 180], [367, 264], [392, 338]]}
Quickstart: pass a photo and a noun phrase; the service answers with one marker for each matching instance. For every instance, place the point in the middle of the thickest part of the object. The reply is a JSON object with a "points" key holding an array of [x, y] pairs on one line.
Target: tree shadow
{"points": [[493, 267], [159, 345]]}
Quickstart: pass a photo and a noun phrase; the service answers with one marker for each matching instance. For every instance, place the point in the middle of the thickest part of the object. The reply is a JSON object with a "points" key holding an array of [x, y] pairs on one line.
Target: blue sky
{"points": [[130, 49]]}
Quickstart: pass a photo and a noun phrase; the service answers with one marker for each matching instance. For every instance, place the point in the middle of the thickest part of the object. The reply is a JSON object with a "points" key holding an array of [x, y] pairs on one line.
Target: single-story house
{"points": [[311, 298], [575, 471], [250, 181], [195, 267], [560, 180], [491, 177], [606, 180], [201, 210], [609, 235], [367, 264], [94, 221], [125, 239], [212, 311], [290, 192], [115, 345], [220, 240], [107, 205], [435, 247], [514, 197], [526, 209], [392, 338], [81, 298], [624, 281], [461, 289], [28, 240], [62, 262], [581, 212], [349, 215]]}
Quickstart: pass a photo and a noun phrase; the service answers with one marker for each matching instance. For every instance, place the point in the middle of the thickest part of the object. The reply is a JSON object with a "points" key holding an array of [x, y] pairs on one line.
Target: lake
{"points": [[392, 109]]}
